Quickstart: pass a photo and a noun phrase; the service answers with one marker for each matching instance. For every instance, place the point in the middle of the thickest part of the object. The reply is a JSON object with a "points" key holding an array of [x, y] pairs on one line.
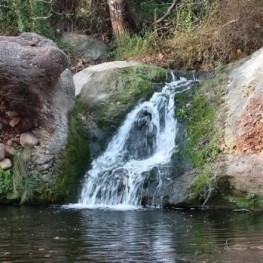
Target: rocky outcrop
{"points": [[36, 95], [28, 81], [229, 159], [244, 127], [244, 99], [54, 132]]}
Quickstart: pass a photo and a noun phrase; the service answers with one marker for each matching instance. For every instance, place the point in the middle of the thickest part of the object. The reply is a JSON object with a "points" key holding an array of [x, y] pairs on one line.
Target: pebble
{"points": [[5, 164]]}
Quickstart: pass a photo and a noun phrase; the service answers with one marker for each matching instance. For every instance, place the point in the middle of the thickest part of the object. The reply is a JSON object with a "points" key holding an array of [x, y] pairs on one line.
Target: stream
{"points": [[52, 234]]}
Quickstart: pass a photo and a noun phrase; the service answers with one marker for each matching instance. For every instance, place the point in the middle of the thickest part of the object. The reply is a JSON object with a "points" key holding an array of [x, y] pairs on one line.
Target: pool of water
{"points": [[52, 234]]}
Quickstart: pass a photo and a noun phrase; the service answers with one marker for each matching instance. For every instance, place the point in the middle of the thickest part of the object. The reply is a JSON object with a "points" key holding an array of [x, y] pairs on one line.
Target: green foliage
{"points": [[250, 201], [5, 182], [134, 45], [23, 183], [8, 18], [23, 11], [39, 24], [204, 185], [25, 16]]}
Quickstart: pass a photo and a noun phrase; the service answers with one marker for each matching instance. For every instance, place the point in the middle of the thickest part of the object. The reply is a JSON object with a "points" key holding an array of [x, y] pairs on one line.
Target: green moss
{"points": [[198, 110], [61, 184], [201, 113], [74, 161]]}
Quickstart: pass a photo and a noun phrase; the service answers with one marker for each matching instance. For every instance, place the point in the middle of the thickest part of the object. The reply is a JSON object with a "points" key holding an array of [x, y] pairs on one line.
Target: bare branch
{"points": [[45, 1], [42, 17], [168, 13], [230, 22]]}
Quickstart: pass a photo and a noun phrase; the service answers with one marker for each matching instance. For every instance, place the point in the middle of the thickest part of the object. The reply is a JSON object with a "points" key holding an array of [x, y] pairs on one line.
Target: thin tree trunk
{"points": [[118, 10]]}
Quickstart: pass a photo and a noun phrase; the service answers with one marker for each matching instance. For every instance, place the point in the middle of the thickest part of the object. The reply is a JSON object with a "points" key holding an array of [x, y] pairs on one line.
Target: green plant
{"points": [[23, 184], [5, 182], [8, 18], [133, 45], [204, 185]]}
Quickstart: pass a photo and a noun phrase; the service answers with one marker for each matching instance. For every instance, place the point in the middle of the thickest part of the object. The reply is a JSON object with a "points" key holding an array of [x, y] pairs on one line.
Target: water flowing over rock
{"points": [[135, 165], [110, 90]]}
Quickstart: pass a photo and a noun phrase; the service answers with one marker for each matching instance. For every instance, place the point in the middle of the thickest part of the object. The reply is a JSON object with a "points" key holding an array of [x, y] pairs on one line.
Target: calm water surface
{"points": [[33, 234]]}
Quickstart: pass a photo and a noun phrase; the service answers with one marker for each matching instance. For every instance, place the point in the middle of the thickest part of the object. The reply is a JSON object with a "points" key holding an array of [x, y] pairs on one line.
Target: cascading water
{"points": [[144, 143]]}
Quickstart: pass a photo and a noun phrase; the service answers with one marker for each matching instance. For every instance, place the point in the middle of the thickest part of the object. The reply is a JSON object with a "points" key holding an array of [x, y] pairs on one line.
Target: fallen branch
{"points": [[168, 13]]}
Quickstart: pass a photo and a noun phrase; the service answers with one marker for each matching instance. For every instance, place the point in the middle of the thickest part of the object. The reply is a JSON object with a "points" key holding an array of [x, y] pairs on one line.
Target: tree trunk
{"points": [[118, 13]]}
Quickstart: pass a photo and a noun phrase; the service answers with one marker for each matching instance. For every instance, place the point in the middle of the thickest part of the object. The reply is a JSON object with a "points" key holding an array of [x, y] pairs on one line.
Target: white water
{"points": [[145, 141]]}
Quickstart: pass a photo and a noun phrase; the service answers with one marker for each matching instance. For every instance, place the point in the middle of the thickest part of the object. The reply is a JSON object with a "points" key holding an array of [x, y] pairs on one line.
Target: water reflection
{"points": [[55, 235]]}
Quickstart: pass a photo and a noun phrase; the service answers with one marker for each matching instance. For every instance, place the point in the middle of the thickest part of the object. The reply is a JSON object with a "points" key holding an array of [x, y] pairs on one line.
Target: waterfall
{"points": [[143, 145]]}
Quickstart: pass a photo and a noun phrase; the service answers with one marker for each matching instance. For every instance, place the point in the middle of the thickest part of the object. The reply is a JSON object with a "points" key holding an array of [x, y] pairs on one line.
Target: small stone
{"points": [[5, 164], [14, 121], [10, 151], [9, 142], [28, 140], [11, 114], [2, 151]]}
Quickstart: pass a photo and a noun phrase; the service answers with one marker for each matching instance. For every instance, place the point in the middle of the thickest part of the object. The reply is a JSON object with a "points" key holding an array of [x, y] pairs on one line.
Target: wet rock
{"points": [[28, 140], [5, 164]]}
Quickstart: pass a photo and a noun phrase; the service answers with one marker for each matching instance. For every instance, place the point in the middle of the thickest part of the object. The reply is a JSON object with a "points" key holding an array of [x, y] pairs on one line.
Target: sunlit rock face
{"points": [[244, 126]]}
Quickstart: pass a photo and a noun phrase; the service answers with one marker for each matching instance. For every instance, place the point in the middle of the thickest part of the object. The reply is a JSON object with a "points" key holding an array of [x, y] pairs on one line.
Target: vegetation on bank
{"points": [[198, 111], [22, 185], [196, 34]]}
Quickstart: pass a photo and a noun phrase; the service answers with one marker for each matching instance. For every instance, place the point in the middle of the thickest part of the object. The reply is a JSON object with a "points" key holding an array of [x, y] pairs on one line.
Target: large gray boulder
{"points": [[86, 46], [100, 82], [36, 94], [30, 66]]}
